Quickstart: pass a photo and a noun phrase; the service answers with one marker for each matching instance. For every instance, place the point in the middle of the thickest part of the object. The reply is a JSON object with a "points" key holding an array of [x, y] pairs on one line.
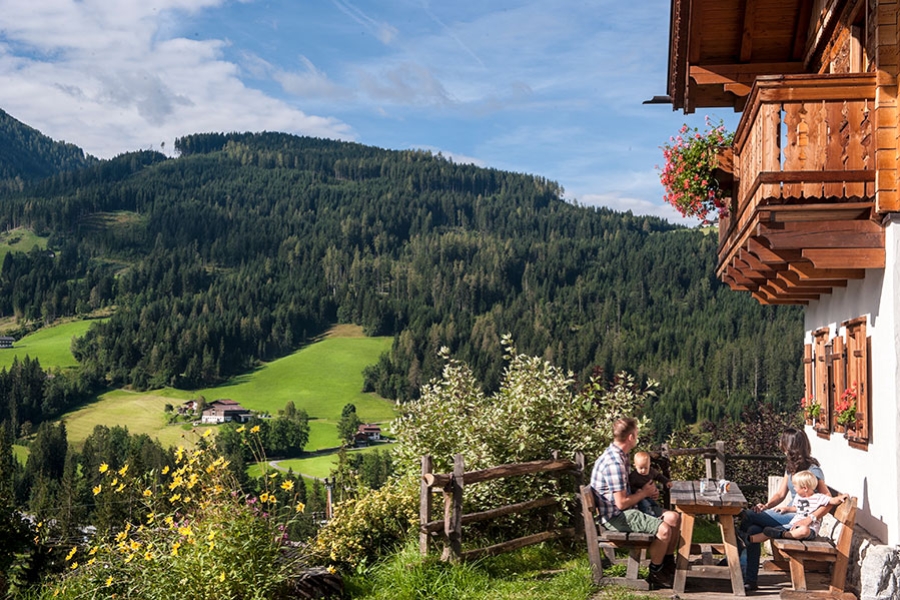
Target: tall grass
{"points": [[534, 573]]}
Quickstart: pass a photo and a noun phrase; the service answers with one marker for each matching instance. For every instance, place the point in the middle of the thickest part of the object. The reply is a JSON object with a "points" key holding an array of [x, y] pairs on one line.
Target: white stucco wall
{"points": [[872, 475]]}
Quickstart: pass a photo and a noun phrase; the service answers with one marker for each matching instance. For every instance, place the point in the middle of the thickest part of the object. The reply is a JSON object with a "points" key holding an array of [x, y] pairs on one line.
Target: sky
{"points": [[546, 87]]}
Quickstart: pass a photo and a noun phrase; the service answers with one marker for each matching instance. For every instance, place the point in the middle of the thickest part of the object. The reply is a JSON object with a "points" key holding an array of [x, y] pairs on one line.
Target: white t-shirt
{"points": [[806, 506]]}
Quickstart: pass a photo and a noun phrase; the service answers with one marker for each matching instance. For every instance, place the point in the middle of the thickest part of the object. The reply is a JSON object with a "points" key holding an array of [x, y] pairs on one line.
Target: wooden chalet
{"points": [[814, 216], [225, 411]]}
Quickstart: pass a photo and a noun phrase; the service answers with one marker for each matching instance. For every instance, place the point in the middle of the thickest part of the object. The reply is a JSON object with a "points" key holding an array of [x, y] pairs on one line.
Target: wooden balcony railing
{"points": [[804, 171]]}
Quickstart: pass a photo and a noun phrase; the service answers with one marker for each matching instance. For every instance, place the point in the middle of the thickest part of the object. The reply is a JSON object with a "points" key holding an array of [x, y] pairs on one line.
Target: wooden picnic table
{"points": [[687, 499]]}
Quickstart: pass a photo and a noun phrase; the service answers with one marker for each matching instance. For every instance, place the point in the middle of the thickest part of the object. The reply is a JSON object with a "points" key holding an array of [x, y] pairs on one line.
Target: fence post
{"points": [[579, 481], [720, 460], [453, 510], [424, 505]]}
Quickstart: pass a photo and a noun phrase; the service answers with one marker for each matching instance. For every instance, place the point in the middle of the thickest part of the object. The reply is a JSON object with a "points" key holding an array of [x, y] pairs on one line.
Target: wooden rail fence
{"points": [[452, 486]]}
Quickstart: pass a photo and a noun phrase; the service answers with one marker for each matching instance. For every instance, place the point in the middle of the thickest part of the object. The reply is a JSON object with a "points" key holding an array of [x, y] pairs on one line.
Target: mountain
{"points": [[248, 245], [26, 154]]}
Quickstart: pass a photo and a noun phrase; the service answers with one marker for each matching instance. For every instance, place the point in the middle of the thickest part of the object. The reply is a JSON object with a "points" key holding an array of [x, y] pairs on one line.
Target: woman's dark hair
{"points": [[795, 446]]}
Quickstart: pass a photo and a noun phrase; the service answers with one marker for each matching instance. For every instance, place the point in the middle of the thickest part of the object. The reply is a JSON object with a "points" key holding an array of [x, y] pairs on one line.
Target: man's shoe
{"points": [[668, 564], [660, 579], [774, 533], [750, 586], [743, 538]]}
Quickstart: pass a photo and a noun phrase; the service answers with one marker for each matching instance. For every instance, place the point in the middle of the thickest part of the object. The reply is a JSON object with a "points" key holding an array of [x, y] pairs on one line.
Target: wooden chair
{"points": [[598, 538], [835, 551]]}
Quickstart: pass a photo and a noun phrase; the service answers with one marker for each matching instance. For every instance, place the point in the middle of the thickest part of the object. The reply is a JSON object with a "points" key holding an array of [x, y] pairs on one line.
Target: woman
{"points": [[795, 446]]}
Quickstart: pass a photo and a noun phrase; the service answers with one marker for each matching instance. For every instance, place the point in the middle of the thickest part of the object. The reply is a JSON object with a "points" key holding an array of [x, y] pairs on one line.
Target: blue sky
{"points": [[553, 88]]}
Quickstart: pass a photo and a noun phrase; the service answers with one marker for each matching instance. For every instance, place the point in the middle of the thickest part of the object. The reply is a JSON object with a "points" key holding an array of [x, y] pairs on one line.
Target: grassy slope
{"points": [[320, 379], [52, 346], [23, 241], [316, 466]]}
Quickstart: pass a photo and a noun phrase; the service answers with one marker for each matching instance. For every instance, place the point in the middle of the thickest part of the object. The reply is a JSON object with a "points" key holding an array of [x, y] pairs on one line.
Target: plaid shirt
{"points": [[610, 475]]}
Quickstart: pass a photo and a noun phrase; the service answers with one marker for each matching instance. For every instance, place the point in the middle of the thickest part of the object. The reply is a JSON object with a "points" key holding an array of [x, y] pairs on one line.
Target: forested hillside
{"points": [[27, 154], [247, 245]]}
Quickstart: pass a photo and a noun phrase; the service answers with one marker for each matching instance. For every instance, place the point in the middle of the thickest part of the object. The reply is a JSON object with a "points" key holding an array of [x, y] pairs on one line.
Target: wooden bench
{"points": [[599, 538], [835, 551]]}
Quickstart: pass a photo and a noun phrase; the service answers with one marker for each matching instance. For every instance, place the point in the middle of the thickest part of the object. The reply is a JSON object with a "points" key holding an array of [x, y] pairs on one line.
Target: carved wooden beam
{"points": [[797, 281], [825, 234], [749, 30], [846, 258], [807, 271]]}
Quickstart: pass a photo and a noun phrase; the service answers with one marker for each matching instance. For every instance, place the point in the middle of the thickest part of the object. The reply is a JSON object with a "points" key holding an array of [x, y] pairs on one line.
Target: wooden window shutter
{"points": [[820, 373], [808, 371], [858, 377], [838, 378]]}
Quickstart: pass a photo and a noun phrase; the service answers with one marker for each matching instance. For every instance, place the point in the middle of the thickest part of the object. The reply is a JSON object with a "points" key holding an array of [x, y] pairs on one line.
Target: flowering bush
{"points": [[687, 175], [198, 536], [846, 407], [811, 408]]}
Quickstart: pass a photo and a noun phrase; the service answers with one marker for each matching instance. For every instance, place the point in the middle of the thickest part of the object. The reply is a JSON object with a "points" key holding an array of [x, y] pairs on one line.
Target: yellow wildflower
{"points": [[179, 454], [74, 566], [97, 489], [148, 555], [170, 520], [287, 485], [273, 475], [222, 576], [151, 517], [264, 497], [207, 432], [241, 429], [174, 497], [147, 493], [187, 499], [331, 570], [104, 468], [92, 551], [300, 507], [135, 544], [186, 531], [129, 558], [109, 581], [92, 561], [254, 429], [175, 548], [211, 545], [165, 469], [120, 537], [123, 470], [115, 481], [71, 553], [120, 488]]}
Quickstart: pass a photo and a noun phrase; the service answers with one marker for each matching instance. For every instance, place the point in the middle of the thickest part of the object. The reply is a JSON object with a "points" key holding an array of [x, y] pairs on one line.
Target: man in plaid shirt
{"points": [[615, 502]]}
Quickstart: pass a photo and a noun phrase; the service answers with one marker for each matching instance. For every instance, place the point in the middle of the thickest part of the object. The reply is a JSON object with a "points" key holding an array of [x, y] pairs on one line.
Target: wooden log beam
{"points": [[826, 234], [517, 543], [816, 212], [768, 270], [807, 271], [498, 472], [500, 511], [794, 279], [786, 287], [749, 30], [849, 258], [769, 256]]}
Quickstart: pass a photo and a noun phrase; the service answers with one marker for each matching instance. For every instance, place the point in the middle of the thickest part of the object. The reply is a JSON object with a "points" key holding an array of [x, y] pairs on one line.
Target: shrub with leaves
{"points": [[537, 409], [199, 537], [371, 525]]}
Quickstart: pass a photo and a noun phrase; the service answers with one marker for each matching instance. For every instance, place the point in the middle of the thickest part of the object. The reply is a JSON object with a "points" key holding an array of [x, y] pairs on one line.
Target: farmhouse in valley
{"points": [[814, 217], [367, 433], [225, 411], [6, 341]]}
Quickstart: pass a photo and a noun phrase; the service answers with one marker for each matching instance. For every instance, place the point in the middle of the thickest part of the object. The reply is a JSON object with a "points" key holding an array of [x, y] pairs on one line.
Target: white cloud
{"points": [[105, 80]]}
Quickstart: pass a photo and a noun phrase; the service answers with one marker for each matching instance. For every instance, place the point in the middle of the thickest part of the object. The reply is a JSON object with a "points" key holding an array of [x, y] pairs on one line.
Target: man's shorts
{"points": [[635, 521]]}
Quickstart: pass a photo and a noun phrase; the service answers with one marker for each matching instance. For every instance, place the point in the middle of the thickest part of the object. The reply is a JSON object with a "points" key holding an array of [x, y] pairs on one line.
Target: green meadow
{"points": [[315, 466], [19, 240], [51, 346], [320, 379]]}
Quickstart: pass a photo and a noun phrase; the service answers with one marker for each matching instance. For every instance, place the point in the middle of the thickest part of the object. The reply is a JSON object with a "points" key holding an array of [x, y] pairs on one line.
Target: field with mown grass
{"points": [[19, 240], [314, 466], [51, 346], [320, 379]]}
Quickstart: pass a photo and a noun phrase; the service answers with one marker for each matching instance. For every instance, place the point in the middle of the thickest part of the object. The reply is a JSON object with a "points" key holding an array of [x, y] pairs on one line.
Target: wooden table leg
{"points": [[726, 524], [682, 563]]}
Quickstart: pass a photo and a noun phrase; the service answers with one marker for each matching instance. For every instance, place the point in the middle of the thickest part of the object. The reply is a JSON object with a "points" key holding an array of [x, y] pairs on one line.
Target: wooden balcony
{"points": [[802, 218]]}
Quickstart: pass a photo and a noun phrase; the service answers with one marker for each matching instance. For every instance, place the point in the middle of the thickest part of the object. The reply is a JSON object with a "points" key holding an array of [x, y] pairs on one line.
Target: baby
{"points": [[638, 478], [804, 525]]}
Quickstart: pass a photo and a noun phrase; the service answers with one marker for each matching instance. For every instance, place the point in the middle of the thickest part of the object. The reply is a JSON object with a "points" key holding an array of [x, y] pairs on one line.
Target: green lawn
{"points": [[320, 379], [51, 346], [320, 466], [19, 240], [21, 453]]}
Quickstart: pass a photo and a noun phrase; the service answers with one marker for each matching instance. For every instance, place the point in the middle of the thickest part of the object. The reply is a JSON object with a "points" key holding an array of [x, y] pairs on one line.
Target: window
{"points": [[857, 377]]}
